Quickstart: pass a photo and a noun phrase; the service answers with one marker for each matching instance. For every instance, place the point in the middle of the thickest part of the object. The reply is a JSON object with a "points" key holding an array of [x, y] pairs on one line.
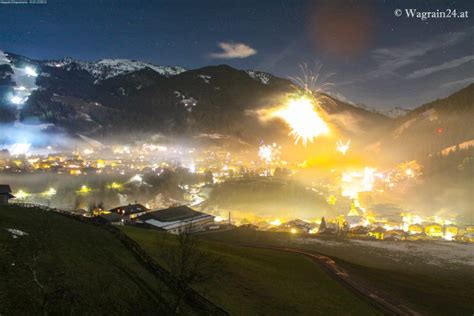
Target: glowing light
{"points": [[218, 219], [136, 178], [19, 148], [192, 167], [17, 100], [21, 195], [293, 231], [50, 192], [355, 182], [88, 151], [85, 189], [306, 124], [115, 186], [342, 147], [331, 200], [269, 153], [31, 71], [275, 222], [314, 231], [265, 153], [449, 236]]}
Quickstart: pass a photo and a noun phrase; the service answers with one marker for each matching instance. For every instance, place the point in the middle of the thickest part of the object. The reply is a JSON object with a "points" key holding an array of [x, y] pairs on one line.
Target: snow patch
{"points": [[206, 78], [393, 113], [403, 127], [430, 115], [188, 102], [16, 232], [439, 253], [260, 76], [464, 145]]}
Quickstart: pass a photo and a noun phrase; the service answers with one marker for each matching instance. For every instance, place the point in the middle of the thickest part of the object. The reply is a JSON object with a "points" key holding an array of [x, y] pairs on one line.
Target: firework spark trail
{"points": [[311, 80], [342, 147]]}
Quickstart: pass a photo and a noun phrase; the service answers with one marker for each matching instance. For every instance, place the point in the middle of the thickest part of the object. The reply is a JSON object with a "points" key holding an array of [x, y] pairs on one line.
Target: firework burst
{"points": [[305, 123], [342, 147]]}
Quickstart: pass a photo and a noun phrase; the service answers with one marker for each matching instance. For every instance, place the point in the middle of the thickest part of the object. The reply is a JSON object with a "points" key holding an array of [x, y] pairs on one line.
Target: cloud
{"points": [[234, 50], [389, 61], [444, 66], [457, 82]]}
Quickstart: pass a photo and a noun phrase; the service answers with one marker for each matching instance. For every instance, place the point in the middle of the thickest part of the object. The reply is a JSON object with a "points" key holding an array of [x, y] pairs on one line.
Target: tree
{"points": [[208, 177], [188, 263], [322, 226]]}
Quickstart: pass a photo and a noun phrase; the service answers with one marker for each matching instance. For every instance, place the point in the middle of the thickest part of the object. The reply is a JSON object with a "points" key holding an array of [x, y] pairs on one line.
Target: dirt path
{"points": [[342, 276]]}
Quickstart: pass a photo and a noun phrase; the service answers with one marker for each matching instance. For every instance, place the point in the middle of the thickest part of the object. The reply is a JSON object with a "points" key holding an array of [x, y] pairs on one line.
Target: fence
{"points": [[192, 297]]}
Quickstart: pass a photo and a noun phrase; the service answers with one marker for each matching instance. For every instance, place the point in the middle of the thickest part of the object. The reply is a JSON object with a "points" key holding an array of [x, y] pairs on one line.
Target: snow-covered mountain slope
{"points": [[23, 78], [392, 112], [108, 68], [395, 112]]}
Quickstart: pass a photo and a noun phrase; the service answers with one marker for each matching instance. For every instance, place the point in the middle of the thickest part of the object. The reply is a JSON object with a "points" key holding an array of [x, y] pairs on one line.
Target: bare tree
{"points": [[188, 263]]}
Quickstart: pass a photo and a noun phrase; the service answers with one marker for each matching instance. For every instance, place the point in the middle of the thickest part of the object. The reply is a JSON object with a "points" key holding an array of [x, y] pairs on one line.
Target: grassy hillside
{"points": [[64, 266], [431, 278], [264, 282]]}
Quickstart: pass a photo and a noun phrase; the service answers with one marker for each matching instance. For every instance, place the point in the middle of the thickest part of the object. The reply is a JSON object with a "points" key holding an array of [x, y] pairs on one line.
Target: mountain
{"points": [[432, 127], [391, 112], [109, 68], [119, 96]]}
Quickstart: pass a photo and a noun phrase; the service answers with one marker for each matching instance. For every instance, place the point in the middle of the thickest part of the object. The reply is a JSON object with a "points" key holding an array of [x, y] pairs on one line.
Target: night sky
{"points": [[375, 57]]}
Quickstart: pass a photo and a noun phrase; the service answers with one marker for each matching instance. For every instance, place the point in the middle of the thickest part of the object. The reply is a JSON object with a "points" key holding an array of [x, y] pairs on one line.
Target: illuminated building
{"points": [[176, 220], [450, 232], [131, 211], [377, 233], [415, 229], [434, 230]]}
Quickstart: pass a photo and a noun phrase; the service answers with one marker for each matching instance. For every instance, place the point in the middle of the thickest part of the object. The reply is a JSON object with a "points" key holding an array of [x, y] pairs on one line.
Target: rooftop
{"points": [[5, 188], [129, 209], [172, 214]]}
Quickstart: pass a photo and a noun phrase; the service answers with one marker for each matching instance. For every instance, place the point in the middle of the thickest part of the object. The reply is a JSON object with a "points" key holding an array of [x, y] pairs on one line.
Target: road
{"points": [[342, 276]]}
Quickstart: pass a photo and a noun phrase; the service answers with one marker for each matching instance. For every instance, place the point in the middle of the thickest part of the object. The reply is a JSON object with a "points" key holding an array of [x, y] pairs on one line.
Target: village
{"points": [[354, 225]]}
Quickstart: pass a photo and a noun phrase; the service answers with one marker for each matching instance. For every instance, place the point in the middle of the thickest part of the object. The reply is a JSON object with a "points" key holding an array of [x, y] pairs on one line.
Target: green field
{"points": [[84, 269], [264, 282], [426, 288], [81, 268]]}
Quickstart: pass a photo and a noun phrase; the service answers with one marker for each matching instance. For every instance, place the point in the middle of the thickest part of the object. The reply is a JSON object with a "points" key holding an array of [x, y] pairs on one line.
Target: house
{"points": [[129, 212], [415, 229], [109, 218], [358, 232], [176, 220], [249, 226], [295, 226], [450, 232], [417, 236], [434, 230], [394, 234], [377, 233], [5, 194]]}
